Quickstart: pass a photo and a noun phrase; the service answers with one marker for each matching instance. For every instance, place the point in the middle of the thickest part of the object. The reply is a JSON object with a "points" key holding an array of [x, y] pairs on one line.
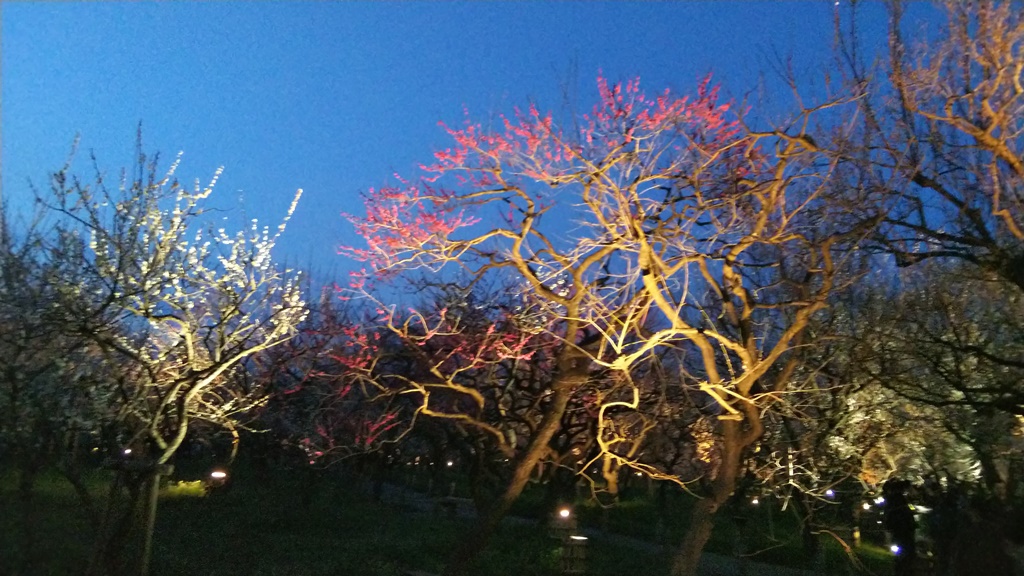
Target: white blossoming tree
{"points": [[176, 307]]}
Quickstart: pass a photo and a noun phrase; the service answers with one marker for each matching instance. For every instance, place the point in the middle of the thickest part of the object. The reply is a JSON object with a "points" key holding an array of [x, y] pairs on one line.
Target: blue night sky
{"points": [[333, 97]]}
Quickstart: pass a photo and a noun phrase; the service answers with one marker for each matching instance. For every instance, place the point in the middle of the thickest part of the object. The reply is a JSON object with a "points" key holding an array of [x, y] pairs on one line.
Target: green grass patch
{"points": [[283, 523], [62, 533], [274, 527]]}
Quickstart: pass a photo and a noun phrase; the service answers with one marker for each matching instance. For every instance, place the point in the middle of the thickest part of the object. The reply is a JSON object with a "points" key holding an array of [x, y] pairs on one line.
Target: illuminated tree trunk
{"points": [[610, 474], [478, 537], [702, 519]]}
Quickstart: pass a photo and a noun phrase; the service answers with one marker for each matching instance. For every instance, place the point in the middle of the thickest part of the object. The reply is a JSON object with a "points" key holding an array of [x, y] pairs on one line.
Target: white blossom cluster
{"points": [[187, 304]]}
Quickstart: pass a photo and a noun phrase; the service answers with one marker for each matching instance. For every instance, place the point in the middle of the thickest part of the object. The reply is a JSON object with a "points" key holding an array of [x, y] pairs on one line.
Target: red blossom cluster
{"points": [[416, 224], [403, 219]]}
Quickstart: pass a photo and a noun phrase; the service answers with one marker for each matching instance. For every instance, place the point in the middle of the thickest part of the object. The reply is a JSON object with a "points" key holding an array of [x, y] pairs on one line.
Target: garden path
{"points": [[711, 564]]}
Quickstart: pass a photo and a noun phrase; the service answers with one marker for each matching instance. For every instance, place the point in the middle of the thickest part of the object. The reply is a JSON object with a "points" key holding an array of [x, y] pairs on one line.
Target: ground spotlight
{"points": [[218, 478]]}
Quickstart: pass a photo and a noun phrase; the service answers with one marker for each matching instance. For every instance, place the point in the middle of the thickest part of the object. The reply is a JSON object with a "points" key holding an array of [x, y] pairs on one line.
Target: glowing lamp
{"points": [[217, 479], [562, 524]]}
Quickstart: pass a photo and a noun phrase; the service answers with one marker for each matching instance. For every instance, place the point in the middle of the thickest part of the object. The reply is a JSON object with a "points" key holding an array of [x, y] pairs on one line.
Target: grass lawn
{"points": [[273, 527], [263, 528], [61, 534]]}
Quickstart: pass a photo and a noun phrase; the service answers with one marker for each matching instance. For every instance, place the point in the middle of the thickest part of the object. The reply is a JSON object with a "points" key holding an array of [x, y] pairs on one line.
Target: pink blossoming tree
{"points": [[653, 223]]}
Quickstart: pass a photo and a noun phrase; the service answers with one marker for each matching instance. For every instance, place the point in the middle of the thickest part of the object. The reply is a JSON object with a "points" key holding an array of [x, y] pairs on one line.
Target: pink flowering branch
{"points": [[517, 172]]}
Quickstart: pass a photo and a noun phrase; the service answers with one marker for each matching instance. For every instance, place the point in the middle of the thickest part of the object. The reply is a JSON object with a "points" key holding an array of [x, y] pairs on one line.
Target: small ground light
{"points": [[127, 451], [894, 549], [830, 493], [866, 506], [755, 501], [880, 500], [450, 463], [218, 479], [574, 555], [562, 524]]}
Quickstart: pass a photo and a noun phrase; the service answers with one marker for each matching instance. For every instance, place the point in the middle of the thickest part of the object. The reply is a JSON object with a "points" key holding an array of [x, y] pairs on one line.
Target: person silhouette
{"points": [[899, 521]]}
